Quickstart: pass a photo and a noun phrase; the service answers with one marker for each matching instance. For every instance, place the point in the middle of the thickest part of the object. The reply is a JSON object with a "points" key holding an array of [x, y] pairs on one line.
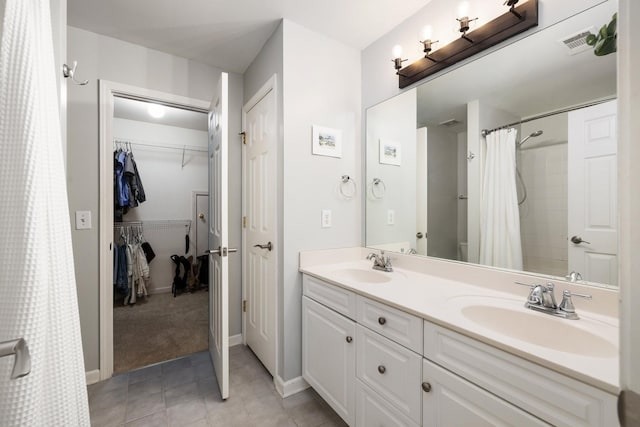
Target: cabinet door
{"points": [[329, 356], [454, 402]]}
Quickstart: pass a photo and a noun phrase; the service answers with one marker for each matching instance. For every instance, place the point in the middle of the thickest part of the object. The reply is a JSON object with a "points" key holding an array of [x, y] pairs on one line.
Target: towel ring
{"points": [[347, 187], [379, 184]]}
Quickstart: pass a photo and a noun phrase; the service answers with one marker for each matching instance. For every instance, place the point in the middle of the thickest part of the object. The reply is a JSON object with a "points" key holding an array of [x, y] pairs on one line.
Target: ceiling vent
{"points": [[449, 123], [576, 43]]}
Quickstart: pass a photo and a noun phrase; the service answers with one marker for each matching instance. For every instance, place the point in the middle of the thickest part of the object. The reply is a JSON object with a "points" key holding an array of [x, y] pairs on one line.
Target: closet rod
{"points": [[486, 132], [165, 103], [143, 144]]}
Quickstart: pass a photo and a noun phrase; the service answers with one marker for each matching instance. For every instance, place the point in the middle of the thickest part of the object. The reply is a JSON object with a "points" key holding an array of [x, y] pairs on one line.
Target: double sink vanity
{"points": [[439, 343]]}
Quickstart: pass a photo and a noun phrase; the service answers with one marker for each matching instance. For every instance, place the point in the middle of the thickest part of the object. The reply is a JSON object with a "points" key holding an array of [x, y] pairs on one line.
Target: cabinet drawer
{"points": [[452, 401], [334, 297], [373, 410], [401, 327], [392, 371], [553, 397]]}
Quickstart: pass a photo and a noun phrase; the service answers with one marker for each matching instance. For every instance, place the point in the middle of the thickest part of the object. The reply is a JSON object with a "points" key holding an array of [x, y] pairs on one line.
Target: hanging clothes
{"points": [[131, 268], [127, 185]]}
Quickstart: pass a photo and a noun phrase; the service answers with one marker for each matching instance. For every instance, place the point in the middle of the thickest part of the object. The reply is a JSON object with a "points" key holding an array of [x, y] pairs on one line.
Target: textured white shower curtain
{"points": [[500, 243], [37, 284]]}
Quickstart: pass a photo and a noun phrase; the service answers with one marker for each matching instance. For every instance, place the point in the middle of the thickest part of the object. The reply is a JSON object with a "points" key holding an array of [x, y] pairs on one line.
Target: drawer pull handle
{"points": [[382, 320], [426, 387], [349, 339], [382, 369]]}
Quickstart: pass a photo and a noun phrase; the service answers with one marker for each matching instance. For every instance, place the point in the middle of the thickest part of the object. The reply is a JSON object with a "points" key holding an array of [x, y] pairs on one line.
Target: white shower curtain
{"points": [[37, 284], [500, 243]]}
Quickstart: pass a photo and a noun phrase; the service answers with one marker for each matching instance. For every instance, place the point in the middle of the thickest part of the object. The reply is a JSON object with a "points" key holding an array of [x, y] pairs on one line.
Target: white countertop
{"points": [[439, 300]]}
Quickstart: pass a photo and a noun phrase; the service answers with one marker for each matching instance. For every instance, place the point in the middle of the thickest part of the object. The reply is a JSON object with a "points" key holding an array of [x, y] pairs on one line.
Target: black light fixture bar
{"points": [[513, 22]]}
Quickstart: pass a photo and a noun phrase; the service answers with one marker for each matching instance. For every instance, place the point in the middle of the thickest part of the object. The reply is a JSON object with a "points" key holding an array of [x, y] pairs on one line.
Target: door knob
{"points": [[201, 216], [220, 251], [419, 235], [577, 240], [426, 387], [268, 246]]}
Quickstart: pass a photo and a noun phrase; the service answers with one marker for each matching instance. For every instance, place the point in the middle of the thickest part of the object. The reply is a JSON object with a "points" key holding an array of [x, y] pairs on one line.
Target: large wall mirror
{"points": [[438, 186]]}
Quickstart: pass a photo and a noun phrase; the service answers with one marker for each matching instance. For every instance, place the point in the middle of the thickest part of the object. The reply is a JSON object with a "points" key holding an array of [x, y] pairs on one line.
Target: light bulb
{"points": [[463, 9], [426, 33], [396, 52], [156, 111]]}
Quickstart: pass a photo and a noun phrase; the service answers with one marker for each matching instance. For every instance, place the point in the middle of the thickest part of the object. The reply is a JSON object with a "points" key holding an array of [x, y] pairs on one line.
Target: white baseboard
{"points": [[288, 388], [235, 340], [92, 377], [162, 290]]}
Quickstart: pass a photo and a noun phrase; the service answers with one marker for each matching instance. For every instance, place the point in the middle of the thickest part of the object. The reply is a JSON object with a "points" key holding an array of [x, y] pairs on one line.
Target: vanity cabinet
{"points": [[378, 365], [329, 350]]}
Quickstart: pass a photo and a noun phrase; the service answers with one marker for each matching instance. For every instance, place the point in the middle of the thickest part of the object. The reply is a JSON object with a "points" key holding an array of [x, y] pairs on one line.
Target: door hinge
{"points": [[244, 306], [244, 137], [244, 222]]}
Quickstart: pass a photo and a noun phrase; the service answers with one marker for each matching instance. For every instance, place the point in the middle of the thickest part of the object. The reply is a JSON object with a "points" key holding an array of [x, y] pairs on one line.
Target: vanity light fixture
{"points": [[516, 20], [426, 41], [397, 57], [463, 11]]}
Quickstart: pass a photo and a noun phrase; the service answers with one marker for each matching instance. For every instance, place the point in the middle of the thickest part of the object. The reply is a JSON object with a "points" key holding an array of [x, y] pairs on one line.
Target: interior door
{"points": [[260, 233], [421, 190], [218, 234], [592, 210]]}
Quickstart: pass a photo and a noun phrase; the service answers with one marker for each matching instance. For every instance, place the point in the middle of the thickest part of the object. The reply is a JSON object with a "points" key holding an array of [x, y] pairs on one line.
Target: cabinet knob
{"points": [[382, 320], [382, 369], [426, 387], [349, 339]]}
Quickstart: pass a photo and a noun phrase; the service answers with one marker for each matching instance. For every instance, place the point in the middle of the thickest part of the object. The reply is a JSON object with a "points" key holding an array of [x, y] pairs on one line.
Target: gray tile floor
{"points": [[184, 392]]}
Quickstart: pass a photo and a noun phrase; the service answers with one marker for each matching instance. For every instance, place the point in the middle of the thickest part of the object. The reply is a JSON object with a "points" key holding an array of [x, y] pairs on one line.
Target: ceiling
{"points": [[229, 34], [131, 109]]}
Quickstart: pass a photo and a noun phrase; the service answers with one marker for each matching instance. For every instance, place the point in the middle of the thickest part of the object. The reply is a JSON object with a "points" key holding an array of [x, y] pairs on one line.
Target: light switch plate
{"points": [[391, 217], [83, 220], [326, 218]]}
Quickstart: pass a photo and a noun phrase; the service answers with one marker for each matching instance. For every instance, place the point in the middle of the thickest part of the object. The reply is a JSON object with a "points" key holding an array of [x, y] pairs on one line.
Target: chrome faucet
{"points": [[542, 298], [380, 262]]}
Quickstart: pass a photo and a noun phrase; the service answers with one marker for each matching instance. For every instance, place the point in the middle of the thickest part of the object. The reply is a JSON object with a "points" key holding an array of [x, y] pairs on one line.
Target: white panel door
{"points": [[592, 198], [218, 234], [421, 190], [260, 233]]}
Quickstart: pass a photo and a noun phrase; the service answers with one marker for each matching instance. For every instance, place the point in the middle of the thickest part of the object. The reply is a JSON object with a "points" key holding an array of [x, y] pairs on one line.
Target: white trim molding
{"points": [[92, 377], [235, 340], [107, 92], [291, 387]]}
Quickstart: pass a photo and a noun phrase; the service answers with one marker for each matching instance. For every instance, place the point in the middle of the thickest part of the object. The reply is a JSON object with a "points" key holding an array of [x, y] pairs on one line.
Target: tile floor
{"points": [[184, 392]]}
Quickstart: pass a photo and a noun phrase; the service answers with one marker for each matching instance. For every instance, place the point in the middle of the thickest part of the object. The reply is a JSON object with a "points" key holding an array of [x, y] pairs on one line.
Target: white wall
{"points": [[321, 86], [168, 188], [543, 215], [628, 177], [106, 58], [392, 120]]}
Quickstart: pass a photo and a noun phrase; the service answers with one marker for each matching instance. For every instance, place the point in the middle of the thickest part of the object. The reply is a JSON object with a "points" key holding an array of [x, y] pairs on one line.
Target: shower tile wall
{"points": [[543, 216]]}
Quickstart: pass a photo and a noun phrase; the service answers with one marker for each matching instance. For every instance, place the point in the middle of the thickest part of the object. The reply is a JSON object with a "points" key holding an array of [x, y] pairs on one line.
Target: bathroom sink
{"points": [[363, 276], [509, 318]]}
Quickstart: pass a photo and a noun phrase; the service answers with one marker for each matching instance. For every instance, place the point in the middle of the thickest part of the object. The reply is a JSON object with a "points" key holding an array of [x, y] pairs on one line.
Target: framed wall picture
{"points": [[327, 141], [390, 152]]}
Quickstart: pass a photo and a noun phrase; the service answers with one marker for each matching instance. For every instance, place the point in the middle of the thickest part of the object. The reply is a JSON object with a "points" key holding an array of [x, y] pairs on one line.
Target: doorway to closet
{"points": [[160, 300]]}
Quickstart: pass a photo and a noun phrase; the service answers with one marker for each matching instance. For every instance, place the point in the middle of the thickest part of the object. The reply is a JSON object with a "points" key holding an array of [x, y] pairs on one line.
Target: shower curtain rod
{"points": [[486, 132]]}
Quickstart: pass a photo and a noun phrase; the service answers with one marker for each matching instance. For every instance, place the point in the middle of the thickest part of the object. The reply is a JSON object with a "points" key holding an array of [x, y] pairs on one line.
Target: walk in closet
{"points": [[160, 306]]}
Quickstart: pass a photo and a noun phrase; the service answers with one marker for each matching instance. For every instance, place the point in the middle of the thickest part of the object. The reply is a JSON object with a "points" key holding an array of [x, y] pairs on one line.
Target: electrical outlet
{"points": [[326, 218], [83, 220], [391, 217]]}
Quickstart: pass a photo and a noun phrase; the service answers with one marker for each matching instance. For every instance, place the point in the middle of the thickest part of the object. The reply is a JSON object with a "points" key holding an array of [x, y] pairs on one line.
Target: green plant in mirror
{"points": [[605, 42]]}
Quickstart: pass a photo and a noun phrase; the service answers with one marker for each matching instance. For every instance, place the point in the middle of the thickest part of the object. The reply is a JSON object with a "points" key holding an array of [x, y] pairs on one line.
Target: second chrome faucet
{"points": [[542, 298]]}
